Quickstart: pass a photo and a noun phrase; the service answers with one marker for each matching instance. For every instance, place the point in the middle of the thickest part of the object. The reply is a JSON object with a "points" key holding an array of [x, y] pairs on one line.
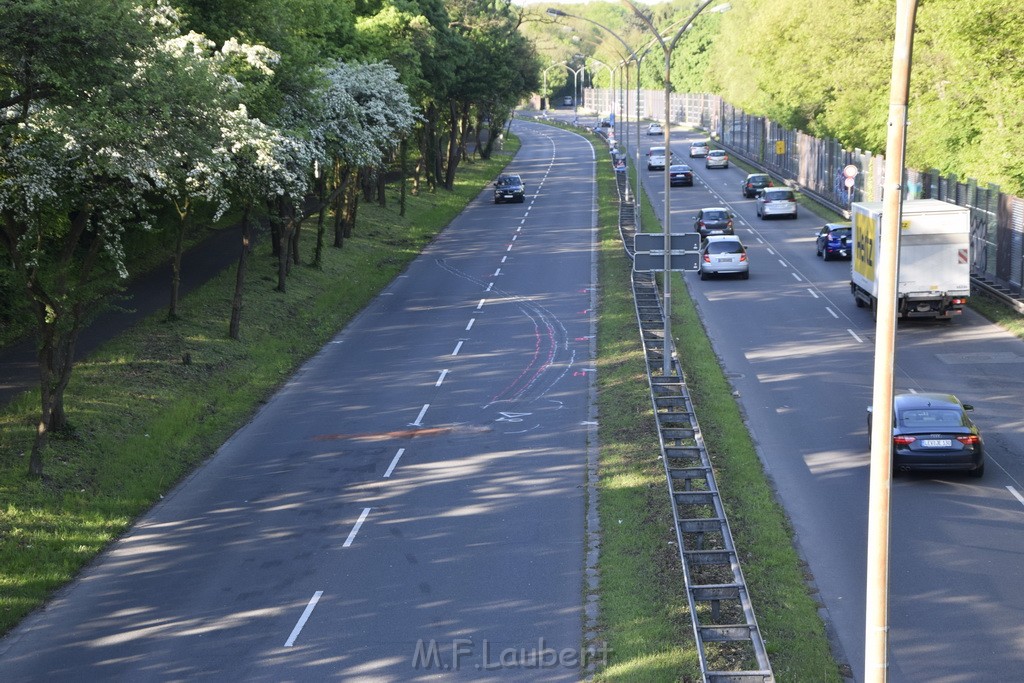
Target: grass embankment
{"points": [[142, 419], [643, 601]]}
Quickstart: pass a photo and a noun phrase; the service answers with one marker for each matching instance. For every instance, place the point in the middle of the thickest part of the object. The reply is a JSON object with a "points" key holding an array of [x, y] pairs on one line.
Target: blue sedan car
{"points": [[835, 241]]}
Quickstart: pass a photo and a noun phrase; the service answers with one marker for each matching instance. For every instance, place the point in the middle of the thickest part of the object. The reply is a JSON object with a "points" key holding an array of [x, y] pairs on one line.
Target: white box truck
{"points": [[934, 279]]}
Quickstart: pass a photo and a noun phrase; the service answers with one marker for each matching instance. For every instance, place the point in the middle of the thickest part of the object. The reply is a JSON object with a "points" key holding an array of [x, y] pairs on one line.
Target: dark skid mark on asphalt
{"points": [[403, 433]]}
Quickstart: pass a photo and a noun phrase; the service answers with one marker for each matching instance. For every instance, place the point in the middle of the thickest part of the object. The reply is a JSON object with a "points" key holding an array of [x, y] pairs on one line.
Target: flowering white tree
{"points": [[364, 113], [89, 130], [259, 163]]}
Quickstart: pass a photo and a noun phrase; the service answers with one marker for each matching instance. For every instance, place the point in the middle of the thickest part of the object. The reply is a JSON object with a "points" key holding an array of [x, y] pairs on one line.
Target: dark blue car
{"points": [[835, 241]]}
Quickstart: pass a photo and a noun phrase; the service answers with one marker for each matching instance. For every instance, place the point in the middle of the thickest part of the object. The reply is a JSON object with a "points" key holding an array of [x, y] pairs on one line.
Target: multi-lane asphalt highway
{"points": [[800, 354], [412, 503]]}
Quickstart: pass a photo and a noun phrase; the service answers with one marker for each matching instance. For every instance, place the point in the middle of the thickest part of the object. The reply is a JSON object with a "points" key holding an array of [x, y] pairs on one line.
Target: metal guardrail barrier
{"points": [[724, 625]]}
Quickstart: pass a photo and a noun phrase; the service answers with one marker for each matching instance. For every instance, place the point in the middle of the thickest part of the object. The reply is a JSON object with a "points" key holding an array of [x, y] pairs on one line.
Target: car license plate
{"points": [[936, 443], [726, 260]]}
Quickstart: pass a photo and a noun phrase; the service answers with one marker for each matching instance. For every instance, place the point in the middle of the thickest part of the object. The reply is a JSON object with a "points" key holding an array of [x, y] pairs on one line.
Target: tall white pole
{"points": [[877, 596], [667, 221]]}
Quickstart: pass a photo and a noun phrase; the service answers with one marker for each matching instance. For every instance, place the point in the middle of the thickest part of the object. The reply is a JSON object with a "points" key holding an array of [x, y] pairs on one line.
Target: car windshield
{"points": [[757, 179], [715, 215], [930, 417], [778, 195], [508, 180], [841, 233], [725, 247], [679, 169], [716, 153]]}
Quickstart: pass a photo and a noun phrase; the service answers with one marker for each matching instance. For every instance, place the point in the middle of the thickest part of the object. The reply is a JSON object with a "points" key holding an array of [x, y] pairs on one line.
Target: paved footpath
{"points": [[148, 294]]}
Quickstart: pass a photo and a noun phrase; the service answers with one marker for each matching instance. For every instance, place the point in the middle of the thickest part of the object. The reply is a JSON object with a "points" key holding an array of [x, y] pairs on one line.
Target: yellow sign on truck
{"points": [[934, 279]]}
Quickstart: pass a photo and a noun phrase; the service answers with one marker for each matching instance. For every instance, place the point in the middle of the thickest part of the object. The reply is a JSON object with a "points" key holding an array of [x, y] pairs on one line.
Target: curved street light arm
{"points": [[559, 13]]}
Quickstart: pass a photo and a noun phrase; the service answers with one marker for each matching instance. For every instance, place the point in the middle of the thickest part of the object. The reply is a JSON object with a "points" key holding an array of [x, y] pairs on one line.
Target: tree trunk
{"points": [[348, 209], [286, 217], [179, 242], [453, 146], [403, 151], [464, 133], [234, 327], [481, 150], [339, 203], [274, 217], [318, 248]]}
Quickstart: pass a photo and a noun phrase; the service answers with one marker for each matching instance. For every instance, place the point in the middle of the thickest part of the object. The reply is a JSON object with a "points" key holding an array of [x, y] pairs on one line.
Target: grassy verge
{"points": [[643, 603], [142, 419]]}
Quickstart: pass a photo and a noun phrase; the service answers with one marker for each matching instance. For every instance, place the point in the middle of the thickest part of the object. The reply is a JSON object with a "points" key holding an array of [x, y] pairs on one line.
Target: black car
{"points": [[835, 240], [714, 220], [932, 431], [754, 182], [680, 174], [509, 188]]}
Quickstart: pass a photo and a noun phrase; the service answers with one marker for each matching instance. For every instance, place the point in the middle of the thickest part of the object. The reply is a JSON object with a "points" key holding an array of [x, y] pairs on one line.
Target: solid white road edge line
{"points": [[302, 620]]}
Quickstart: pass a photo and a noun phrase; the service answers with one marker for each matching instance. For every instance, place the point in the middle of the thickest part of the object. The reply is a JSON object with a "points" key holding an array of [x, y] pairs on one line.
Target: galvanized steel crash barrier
{"points": [[724, 625]]}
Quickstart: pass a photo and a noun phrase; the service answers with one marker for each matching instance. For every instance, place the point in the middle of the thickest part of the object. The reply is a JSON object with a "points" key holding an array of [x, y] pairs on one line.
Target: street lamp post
{"points": [[667, 47], [611, 86]]}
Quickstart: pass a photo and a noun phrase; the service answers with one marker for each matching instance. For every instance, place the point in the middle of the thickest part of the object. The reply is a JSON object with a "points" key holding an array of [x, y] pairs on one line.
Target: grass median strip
{"points": [[643, 599]]}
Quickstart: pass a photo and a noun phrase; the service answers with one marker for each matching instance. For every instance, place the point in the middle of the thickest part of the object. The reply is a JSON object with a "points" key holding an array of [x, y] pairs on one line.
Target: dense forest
{"points": [[824, 67]]}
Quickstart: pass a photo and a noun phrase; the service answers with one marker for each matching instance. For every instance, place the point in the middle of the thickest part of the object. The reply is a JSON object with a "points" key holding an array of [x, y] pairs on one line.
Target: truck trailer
{"points": [[934, 273]]}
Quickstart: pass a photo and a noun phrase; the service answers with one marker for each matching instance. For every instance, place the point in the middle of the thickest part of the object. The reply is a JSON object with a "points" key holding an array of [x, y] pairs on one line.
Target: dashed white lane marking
{"points": [[355, 529], [302, 620], [854, 335], [419, 418], [470, 325], [509, 246], [519, 228], [833, 313], [783, 263], [457, 347], [394, 462], [497, 273], [515, 237], [444, 373], [771, 252], [798, 278], [481, 304], [504, 258], [489, 285], [813, 293], [1016, 495]]}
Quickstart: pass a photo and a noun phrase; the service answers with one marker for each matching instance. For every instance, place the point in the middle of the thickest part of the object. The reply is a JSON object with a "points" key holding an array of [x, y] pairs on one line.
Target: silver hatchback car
{"points": [[716, 158], [721, 255], [776, 201]]}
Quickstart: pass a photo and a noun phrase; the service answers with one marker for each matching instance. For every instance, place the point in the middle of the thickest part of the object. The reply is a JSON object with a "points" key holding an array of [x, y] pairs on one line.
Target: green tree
{"points": [[81, 148]]}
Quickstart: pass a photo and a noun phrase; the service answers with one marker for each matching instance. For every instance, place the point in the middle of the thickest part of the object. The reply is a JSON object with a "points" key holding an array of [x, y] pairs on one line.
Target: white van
{"points": [[656, 159]]}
